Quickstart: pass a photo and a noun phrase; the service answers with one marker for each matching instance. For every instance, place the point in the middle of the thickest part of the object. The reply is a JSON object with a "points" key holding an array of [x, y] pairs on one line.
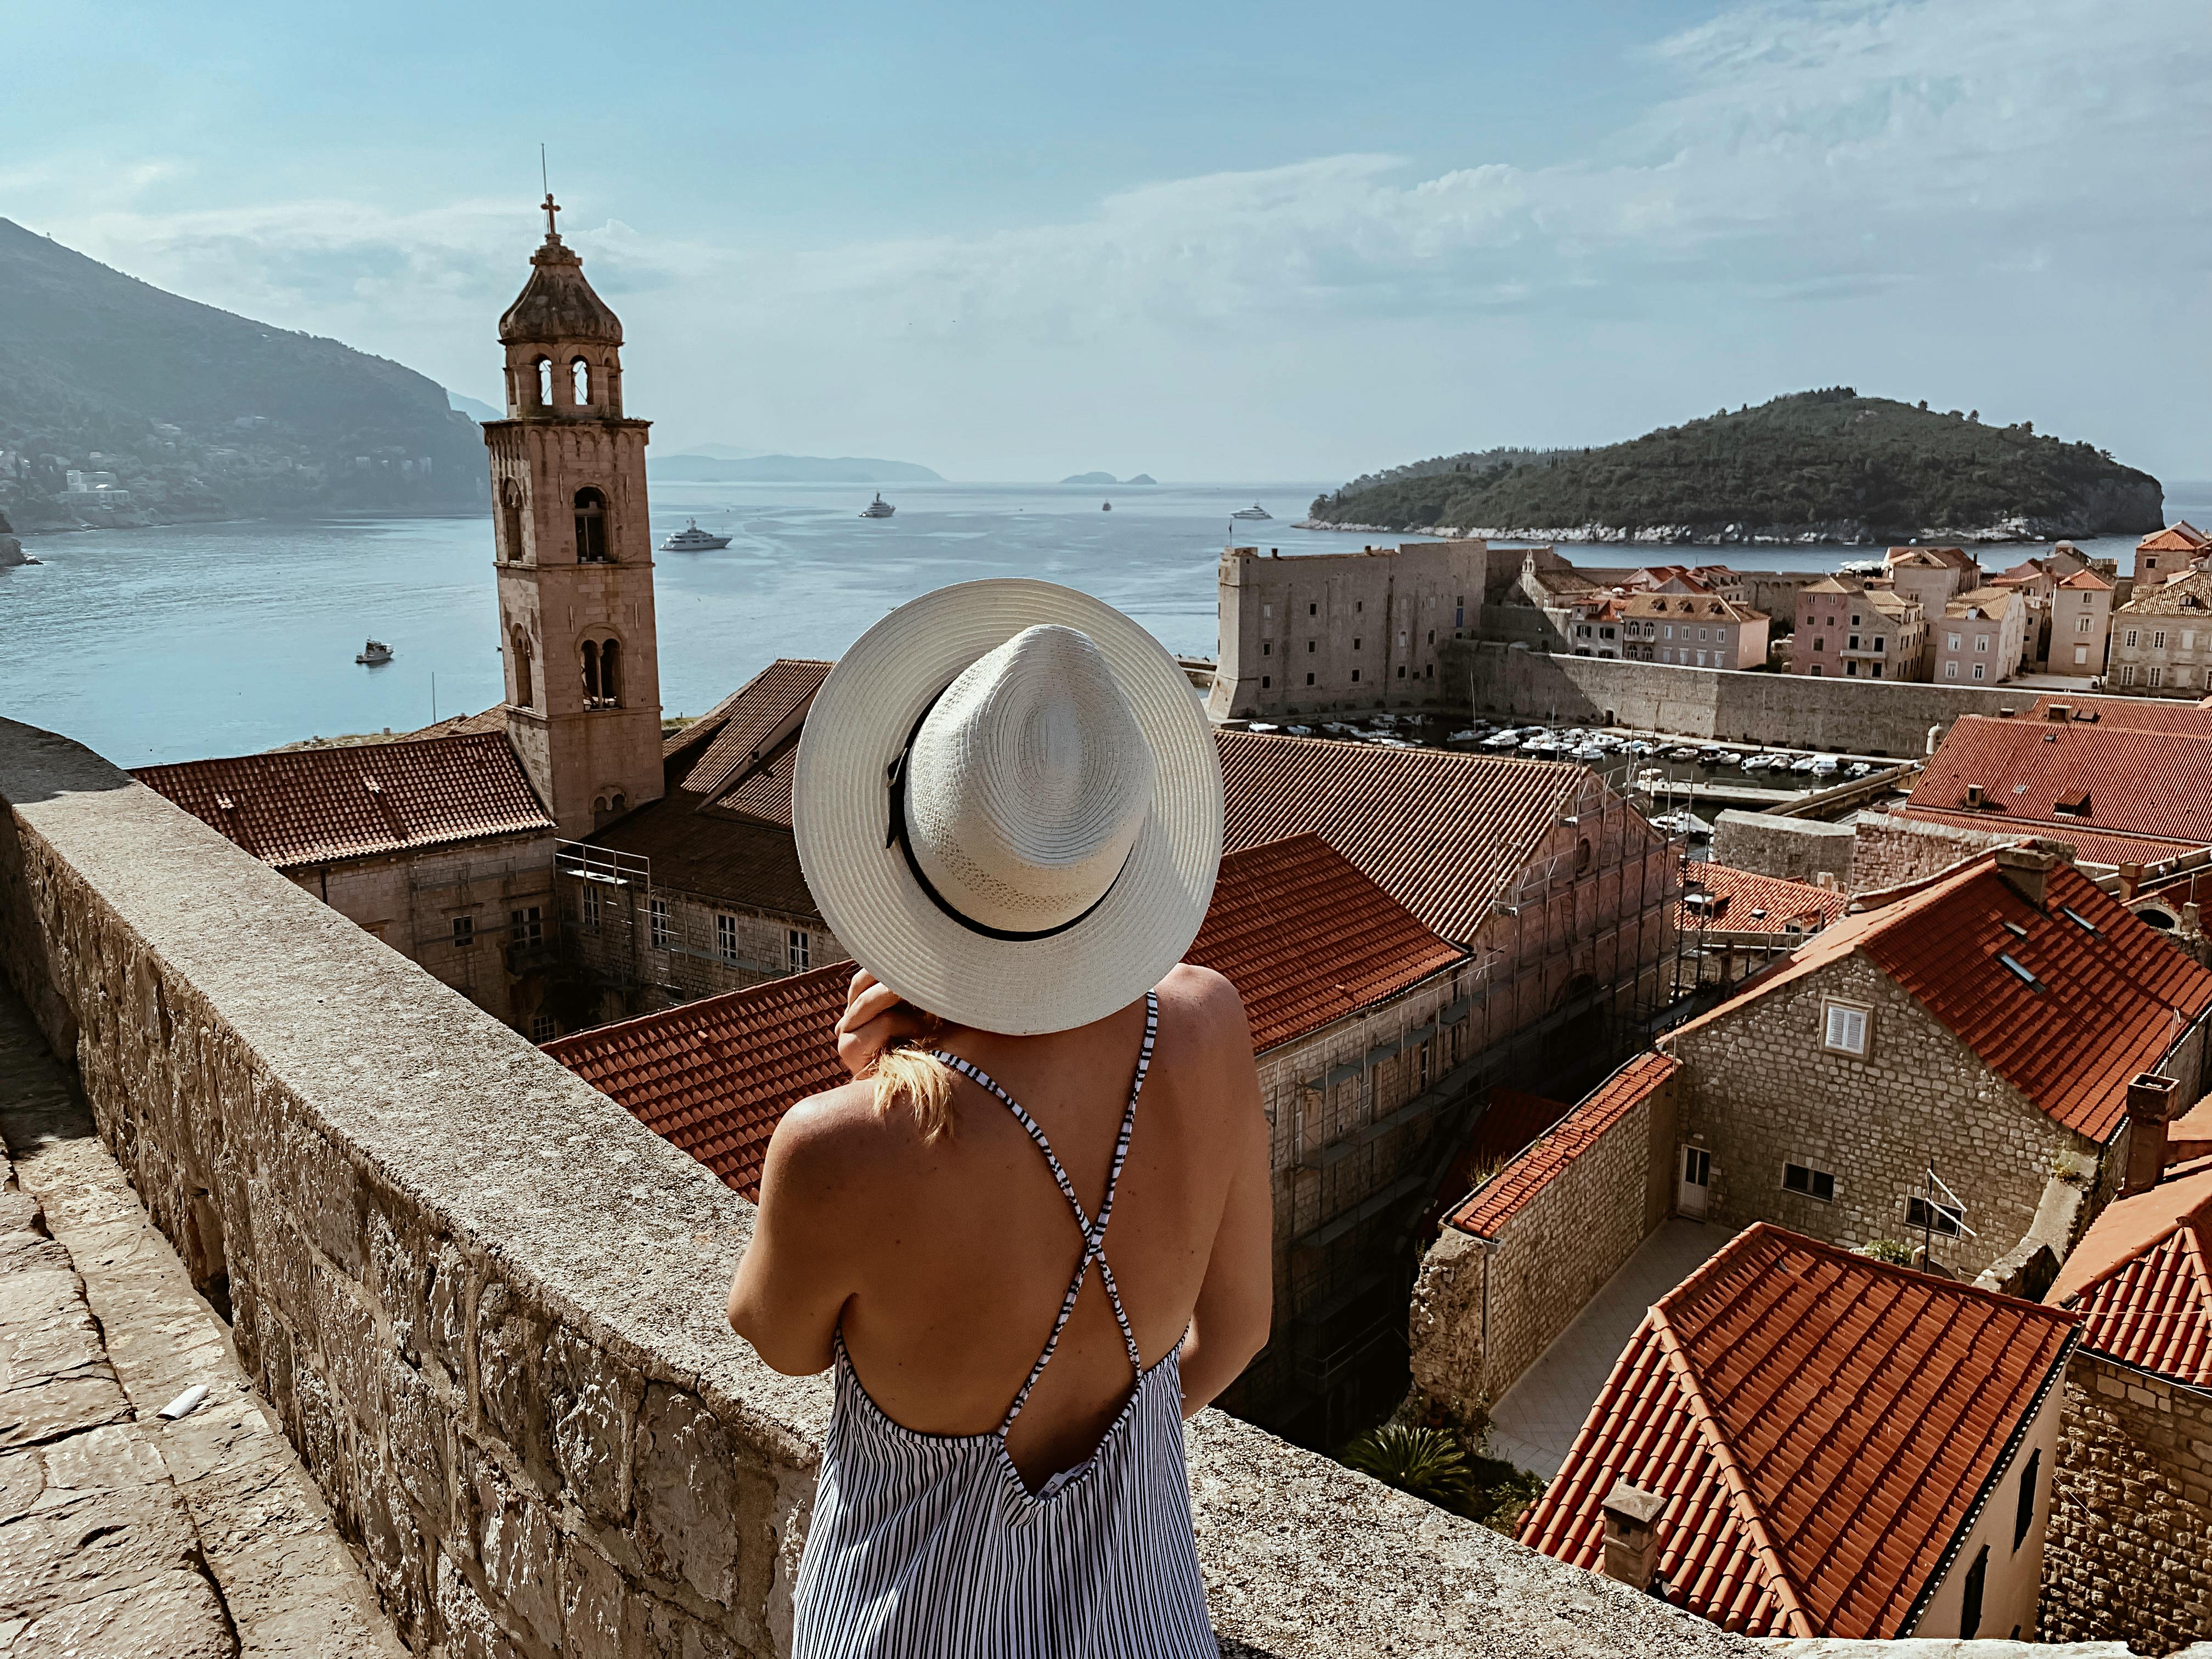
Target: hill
{"points": [[788, 469], [200, 413], [1827, 466]]}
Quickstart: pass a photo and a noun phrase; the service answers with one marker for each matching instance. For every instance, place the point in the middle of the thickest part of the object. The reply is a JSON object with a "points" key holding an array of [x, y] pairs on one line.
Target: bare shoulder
{"points": [[838, 1130], [1208, 1000]]}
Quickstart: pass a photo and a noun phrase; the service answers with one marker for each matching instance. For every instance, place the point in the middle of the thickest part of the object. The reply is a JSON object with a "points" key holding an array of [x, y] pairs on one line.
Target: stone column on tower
{"points": [[574, 552]]}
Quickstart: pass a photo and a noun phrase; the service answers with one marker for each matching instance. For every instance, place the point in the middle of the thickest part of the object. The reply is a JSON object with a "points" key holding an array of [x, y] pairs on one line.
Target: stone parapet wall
{"points": [[1851, 716], [2128, 1554], [486, 1303], [1889, 851], [1796, 849]]}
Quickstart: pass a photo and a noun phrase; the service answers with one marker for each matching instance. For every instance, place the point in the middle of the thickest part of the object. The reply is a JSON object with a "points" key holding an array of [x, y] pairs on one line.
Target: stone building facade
{"points": [[1520, 1257], [2162, 639], [1888, 850], [1848, 627], [1660, 628], [1323, 632], [1980, 637]]}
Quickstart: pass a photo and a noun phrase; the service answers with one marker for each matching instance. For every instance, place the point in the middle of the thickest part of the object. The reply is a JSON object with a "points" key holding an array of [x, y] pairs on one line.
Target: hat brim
{"points": [[841, 813]]}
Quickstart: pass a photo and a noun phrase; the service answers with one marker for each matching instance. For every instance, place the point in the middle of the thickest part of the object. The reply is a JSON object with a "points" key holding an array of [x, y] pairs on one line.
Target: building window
{"points": [[1401, 671], [465, 932], [726, 940], [1880, 642], [1980, 670], [2158, 639], [1433, 636], [1359, 604], [1459, 611], [1819, 644], [2081, 624], [591, 909], [541, 1028], [1355, 642], [1267, 682], [1309, 679], [1950, 670], [2155, 677], [796, 954], [1267, 609], [1854, 643], [1313, 611], [1970, 1615], [656, 923], [1982, 643], [1267, 647], [1954, 642], [2131, 639], [590, 526], [2024, 1518], [526, 694], [1355, 677], [1844, 1029], [1813, 1183], [1939, 1218], [2127, 673], [1309, 647], [526, 926]]}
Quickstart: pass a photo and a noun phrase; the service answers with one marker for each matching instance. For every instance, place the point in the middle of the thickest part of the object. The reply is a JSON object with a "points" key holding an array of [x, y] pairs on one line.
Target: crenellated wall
{"points": [[486, 1303]]}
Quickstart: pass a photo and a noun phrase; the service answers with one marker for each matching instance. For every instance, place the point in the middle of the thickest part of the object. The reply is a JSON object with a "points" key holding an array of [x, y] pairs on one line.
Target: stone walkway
{"points": [[1534, 1422], [122, 1533]]}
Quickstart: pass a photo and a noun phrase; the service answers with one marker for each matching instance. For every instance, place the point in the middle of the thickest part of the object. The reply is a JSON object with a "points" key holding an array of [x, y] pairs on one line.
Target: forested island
{"points": [[124, 405], [1826, 465]]}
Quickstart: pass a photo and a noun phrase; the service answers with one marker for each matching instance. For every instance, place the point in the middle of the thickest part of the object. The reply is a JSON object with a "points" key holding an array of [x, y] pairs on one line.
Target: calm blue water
{"points": [[193, 639]]}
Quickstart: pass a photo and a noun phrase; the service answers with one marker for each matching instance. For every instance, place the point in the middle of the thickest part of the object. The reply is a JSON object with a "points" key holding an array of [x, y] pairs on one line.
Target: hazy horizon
{"points": [[1232, 243]]}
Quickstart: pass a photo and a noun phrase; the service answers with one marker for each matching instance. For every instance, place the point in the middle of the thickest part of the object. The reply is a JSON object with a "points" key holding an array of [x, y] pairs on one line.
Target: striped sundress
{"points": [[929, 1546]]}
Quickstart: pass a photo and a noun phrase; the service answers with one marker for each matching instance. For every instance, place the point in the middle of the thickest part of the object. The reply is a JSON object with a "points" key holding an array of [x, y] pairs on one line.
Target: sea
{"points": [[185, 641]]}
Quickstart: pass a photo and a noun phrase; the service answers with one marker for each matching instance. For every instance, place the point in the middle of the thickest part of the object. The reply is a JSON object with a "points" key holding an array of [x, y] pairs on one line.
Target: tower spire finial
{"points": [[552, 207]]}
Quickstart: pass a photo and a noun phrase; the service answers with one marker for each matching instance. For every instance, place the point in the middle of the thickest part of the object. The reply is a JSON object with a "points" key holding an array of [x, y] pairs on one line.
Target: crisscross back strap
{"points": [[1094, 1231]]}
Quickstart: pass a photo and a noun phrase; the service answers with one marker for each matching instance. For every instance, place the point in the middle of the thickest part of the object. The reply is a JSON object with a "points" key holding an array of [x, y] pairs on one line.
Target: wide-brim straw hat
{"points": [[1007, 805]]}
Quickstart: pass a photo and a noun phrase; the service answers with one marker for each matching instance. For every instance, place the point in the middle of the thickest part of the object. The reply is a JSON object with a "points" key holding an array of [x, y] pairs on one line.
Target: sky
{"points": [[1228, 241]]}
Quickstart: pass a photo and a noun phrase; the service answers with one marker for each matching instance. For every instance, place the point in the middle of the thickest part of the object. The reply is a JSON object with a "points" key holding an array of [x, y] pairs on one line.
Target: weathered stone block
{"points": [[415, 1422], [446, 1314], [518, 1546], [345, 1338], [592, 1401], [689, 1495], [396, 1554], [398, 1276], [510, 1340], [465, 1624]]}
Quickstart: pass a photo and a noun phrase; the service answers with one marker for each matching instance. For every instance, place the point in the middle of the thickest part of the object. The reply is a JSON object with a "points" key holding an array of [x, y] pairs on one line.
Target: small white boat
{"points": [[692, 539], [1640, 748], [1254, 511], [1827, 765], [1262, 726], [1466, 736], [375, 651], [1684, 753], [1684, 822], [878, 509], [1859, 768], [1805, 763], [1509, 739], [1588, 751], [1300, 731]]}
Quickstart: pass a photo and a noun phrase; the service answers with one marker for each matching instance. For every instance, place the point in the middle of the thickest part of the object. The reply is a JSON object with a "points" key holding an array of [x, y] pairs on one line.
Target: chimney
{"points": [[2150, 1097], [2059, 711], [1633, 1535], [2026, 871], [1975, 794], [2130, 879], [1827, 879]]}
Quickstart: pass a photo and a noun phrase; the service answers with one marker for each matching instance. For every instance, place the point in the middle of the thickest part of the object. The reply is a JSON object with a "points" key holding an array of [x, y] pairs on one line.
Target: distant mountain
{"points": [[1090, 478], [788, 469], [1826, 465], [197, 413], [720, 452], [1141, 479], [475, 410]]}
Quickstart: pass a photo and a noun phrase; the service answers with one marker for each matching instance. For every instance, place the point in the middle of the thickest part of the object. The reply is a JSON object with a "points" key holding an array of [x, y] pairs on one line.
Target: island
{"points": [[1094, 479], [788, 469], [1814, 467]]}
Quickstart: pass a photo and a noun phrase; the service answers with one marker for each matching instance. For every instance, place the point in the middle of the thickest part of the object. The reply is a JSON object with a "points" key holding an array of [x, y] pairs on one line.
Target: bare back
{"points": [[946, 1263]]}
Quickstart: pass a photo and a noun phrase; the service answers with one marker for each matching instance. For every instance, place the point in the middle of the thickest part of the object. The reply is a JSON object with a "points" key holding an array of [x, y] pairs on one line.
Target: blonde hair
{"points": [[918, 1078]]}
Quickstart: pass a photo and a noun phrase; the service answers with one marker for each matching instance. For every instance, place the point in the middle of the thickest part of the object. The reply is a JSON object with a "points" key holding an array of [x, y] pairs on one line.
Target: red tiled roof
{"points": [[715, 1077], [1306, 938], [2184, 595], [1821, 1424], [755, 721], [695, 845], [1501, 1198], [304, 806], [1738, 894], [2142, 1278], [2103, 1008], [2126, 781], [2088, 581], [493, 718], [1956, 558], [1444, 834], [1510, 1122], [2179, 537], [2089, 847], [2130, 714]]}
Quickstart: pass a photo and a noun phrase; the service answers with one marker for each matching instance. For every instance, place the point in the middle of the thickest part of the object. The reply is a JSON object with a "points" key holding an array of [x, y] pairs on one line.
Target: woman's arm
{"points": [[794, 1279], [1235, 1301]]}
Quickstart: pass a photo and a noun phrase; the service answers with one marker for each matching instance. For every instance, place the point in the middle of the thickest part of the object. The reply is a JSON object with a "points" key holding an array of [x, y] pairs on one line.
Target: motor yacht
{"points": [[375, 653], [692, 539], [878, 509]]}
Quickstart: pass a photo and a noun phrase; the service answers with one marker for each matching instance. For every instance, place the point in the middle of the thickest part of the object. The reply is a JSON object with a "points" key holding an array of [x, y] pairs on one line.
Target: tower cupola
{"points": [[564, 342]]}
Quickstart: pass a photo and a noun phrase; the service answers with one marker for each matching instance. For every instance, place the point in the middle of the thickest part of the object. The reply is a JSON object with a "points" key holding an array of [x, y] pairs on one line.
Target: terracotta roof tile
{"points": [[716, 1076], [2179, 537], [2189, 595], [1306, 938], [2088, 582], [1510, 1123], [303, 806], [2142, 1278], [2103, 1007], [2089, 847], [2119, 779], [755, 721], [1821, 1424], [2130, 714], [697, 847], [1738, 897], [1498, 1200], [1444, 834], [493, 718]]}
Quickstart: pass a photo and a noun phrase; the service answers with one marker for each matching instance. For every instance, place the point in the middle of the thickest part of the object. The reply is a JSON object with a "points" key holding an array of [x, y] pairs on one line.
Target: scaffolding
{"points": [[653, 946]]}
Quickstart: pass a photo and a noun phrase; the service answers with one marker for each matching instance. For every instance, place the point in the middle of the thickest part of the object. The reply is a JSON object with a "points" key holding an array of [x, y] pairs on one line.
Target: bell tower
{"points": [[574, 552]]}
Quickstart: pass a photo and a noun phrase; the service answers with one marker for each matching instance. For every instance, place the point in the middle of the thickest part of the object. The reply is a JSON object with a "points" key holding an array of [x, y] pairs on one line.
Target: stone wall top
{"points": [[421, 1212]]}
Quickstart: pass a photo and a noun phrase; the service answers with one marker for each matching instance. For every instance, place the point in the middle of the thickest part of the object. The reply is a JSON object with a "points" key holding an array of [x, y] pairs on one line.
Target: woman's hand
{"points": [[874, 1019]]}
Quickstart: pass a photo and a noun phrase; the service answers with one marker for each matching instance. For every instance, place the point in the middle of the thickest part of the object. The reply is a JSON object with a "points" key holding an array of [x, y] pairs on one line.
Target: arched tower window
{"points": [[610, 674], [591, 673], [590, 526], [525, 693], [580, 382], [543, 367], [510, 520]]}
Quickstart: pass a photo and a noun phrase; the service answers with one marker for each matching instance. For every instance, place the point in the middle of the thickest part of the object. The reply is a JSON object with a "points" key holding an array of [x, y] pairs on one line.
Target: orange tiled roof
{"points": [[1954, 558], [760, 719], [2130, 714], [2088, 581], [2089, 847], [1306, 938], [2142, 1278], [2101, 1010], [1821, 1425], [2184, 596], [2115, 778], [1744, 902], [1501, 1198], [1702, 607], [716, 1076], [493, 718], [305, 807], [1444, 834], [2179, 537]]}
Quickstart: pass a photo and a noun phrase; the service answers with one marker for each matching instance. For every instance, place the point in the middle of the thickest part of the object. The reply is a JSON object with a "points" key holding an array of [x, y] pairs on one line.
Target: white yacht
{"points": [[878, 509], [692, 539], [1255, 511], [375, 651]]}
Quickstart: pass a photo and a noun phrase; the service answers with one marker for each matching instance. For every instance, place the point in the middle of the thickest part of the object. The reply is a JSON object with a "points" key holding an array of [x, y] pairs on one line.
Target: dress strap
{"points": [[1094, 1231]]}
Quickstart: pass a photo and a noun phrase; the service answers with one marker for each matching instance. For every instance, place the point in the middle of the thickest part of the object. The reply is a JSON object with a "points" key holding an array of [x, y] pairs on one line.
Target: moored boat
{"points": [[373, 653], [692, 539], [878, 509]]}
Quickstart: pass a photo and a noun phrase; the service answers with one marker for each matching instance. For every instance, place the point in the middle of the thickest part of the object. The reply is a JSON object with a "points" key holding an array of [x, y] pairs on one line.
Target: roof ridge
{"points": [[1741, 1497]]}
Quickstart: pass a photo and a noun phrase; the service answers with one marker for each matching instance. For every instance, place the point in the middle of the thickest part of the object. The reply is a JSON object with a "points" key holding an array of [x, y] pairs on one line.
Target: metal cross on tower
{"points": [[552, 207]]}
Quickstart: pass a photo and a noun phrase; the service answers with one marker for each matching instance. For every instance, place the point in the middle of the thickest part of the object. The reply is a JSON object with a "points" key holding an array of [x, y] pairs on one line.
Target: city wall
{"points": [[486, 1304], [1851, 716]]}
